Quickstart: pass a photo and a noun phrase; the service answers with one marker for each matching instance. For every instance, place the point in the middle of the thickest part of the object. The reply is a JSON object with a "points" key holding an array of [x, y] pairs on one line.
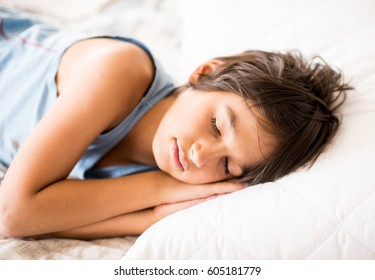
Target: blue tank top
{"points": [[30, 53]]}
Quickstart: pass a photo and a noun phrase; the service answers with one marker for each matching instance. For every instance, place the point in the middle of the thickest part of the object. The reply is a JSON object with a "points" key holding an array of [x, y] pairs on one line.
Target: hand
{"points": [[176, 191], [164, 210]]}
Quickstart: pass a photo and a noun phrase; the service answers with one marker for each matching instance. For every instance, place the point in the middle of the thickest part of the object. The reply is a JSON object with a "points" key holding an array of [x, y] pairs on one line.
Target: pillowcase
{"points": [[325, 212]]}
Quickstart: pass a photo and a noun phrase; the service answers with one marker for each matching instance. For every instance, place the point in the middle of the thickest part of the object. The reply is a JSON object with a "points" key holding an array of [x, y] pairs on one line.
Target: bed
{"points": [[323, 212]]}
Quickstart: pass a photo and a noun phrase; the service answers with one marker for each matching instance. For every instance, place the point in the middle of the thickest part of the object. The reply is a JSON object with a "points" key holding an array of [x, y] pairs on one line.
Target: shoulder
{"points": [[107, 58], [109, 71], [115, 59]]}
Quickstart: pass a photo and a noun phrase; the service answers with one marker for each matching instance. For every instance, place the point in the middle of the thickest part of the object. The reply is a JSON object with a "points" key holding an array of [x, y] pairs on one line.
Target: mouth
{"points": [[176, 156]]}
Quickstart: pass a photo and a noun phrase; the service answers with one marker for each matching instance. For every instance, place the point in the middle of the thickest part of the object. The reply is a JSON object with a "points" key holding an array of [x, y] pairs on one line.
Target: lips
{"points": [[177, 156]]}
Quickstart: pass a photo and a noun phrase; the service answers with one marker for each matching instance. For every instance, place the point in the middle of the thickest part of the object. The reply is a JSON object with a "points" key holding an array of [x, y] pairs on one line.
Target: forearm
{"points": [[134, 223]]}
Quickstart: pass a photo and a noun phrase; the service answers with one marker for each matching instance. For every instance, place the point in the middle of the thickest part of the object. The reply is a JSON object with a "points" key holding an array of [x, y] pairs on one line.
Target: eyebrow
{"points": [[231, 117]]}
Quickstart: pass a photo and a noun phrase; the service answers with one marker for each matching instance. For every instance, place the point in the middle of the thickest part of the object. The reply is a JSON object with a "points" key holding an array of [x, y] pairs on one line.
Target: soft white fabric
{"points": [[326, 212]]}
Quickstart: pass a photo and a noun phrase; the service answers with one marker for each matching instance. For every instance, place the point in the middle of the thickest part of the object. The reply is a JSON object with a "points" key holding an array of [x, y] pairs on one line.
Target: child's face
{"points": [[209, 136]]}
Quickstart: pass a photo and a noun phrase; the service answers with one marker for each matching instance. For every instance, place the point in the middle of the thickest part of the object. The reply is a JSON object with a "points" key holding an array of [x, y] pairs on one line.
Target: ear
{"points": [[203, 70]]}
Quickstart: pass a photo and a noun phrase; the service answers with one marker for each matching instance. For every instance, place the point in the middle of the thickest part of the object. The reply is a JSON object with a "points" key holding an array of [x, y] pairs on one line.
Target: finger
{"points": [[226, 187]]}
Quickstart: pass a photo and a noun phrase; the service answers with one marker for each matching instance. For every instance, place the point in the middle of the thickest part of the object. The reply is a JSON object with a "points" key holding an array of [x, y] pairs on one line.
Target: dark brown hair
{"points": [[297, 99]]}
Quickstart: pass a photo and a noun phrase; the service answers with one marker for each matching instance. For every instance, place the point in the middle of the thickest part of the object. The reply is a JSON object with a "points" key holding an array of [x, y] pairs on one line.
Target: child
{"points": [[99, 142]]}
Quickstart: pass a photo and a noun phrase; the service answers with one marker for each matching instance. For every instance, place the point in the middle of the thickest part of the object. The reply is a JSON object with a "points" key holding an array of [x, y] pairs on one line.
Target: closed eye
{"points": [[214, 127], [217, 132], [226, 168]]}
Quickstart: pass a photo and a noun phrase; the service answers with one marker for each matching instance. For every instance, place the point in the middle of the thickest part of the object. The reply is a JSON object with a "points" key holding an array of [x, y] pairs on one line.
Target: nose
{"points": [[204, 153]]}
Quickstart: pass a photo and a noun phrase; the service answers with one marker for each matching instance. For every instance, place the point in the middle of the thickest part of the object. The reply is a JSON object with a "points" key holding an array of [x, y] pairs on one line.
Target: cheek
{"points": [[203, 176]]}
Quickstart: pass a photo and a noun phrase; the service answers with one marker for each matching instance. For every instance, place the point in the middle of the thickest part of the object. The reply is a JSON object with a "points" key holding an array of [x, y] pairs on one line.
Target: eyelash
{"points": [[214, 126], [226, 169], [217, 132]]}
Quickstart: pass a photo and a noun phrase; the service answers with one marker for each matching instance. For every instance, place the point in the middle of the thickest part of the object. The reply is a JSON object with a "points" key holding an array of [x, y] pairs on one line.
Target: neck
{"points": [[137, 145]]}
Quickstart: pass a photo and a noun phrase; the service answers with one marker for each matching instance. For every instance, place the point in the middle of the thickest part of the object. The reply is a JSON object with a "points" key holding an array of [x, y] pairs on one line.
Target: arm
{"points": [[99, 92], [134, 223], [127, 224], [69, 204]]}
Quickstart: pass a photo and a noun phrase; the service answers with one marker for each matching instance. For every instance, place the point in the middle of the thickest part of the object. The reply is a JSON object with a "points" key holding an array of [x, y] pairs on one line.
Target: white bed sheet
{"points": [[63, 249]]}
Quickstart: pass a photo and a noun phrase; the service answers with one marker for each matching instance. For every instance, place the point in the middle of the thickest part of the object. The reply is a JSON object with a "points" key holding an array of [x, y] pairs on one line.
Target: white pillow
{"points": [[326, 212]]}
